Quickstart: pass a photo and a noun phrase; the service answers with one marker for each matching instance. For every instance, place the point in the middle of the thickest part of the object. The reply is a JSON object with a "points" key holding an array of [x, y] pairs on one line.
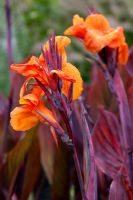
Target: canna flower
{"points": [[31, 112], [49, 75], [51, 66], [96, 33]]}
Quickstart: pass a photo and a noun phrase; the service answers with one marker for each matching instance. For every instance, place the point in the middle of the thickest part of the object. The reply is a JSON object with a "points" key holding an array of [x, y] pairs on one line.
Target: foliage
{"points": [[83, 143]]}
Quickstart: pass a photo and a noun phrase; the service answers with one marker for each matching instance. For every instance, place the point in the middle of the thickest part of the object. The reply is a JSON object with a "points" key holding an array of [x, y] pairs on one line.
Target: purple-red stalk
{"points": [[11, 74]]}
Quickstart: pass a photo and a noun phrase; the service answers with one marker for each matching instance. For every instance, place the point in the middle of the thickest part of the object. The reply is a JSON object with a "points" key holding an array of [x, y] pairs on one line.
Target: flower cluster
{"points": [[49, 76], [96, 33]]}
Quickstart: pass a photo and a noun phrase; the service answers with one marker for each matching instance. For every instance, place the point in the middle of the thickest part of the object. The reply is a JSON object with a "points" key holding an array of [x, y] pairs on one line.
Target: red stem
{"points": [[75, 156], [10, 61]]}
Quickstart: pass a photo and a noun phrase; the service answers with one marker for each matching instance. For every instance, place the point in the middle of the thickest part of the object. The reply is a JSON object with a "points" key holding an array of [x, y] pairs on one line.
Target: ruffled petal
{"points": [[27, 69], [115, 38], [22, 119], [74, 73], [33, 97], [78, 29], [97, 22], [94, 41], [77, 20]]}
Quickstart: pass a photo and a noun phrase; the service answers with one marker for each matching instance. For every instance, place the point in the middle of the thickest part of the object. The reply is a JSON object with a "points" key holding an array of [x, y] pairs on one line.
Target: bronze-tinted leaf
{"points": [[98, 94], [16, 156], [129, 65], [107, 145], [56, 163], [117, 190], [32, 169]]}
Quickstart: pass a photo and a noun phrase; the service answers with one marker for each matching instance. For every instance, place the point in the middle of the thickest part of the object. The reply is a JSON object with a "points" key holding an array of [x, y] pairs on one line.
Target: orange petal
{"points": [[29, 99], [123, 54], [62, 41], [45, 114], [33, 97], [115, 38], [78, 29], [23, 88], [62, 75], [94, 41], [22, 119], [74, 73], [37, 91], [77, 20], [97, 22], [25, 69], [31, 69], [33, 60]]}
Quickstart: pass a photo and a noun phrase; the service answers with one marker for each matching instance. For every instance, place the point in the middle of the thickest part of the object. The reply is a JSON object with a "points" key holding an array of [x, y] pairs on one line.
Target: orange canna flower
{"points": [[31, 112], [96, 33], [46, 68]]}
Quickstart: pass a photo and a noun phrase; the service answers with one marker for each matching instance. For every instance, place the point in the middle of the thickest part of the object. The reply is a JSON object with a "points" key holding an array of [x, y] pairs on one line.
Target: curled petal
{"points": [[25, 69], [31, 69], [77, 20], [78, 29], [29, 99], [74, 73], [95, 41], [24, 86], [115, 38], [22, 119], [62, 75], [45, 115], [62, 41], [123, 54]]}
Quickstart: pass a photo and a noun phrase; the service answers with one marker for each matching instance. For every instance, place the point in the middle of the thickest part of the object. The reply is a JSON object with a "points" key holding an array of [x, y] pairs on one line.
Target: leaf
{"points": [[89, 160], [77, 132], [117, 190], [130, 101], [47, 150], [16, 156], [55, 162], [107, 145], [126, 122], [129, 65], [98, 94], [125, 115], [32, 169]]}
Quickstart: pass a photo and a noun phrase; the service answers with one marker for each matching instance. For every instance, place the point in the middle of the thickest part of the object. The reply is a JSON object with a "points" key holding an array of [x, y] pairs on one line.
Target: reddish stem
{"points": [[75, 156]]}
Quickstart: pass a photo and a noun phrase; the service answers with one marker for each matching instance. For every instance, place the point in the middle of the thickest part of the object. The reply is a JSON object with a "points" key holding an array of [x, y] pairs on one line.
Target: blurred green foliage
{"points": [[33, 21]]}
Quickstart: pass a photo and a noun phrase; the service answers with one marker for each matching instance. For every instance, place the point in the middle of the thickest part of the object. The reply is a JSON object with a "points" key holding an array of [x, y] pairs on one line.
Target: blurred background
{"points": [[33, 21]]}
